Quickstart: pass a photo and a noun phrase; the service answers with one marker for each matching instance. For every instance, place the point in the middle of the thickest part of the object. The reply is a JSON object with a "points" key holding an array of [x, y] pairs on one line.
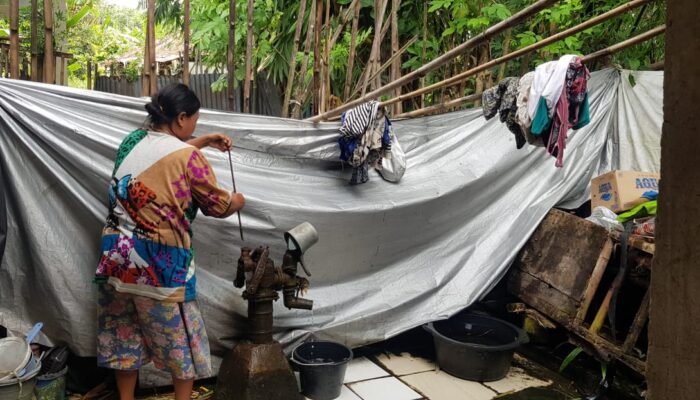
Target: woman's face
{"points": [[184, 126]]}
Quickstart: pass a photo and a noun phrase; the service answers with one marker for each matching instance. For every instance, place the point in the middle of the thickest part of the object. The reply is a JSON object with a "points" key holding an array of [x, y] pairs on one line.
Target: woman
{"points": [[146, 274]]}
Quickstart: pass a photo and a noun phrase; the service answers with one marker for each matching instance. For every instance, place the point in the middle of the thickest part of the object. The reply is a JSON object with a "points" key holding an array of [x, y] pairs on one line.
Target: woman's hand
{"points": [[215, 140]]}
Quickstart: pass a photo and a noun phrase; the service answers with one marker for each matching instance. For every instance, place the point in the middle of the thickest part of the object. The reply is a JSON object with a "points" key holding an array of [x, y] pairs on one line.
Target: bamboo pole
{"points": [[186, 50], [325, 70], [440, 107], [379, 9], [344, 20], [231, 56], [14, 39], [146, 71], [88, 85], [587, 59], [425, 41], [248, 58], [351, 56], [369, 68], [317, 58], [293, 61], [153, 77], [49, 59], [396, 64], [545, 42], [445, 58], [35, 42], [506, 48], [301, 87]]}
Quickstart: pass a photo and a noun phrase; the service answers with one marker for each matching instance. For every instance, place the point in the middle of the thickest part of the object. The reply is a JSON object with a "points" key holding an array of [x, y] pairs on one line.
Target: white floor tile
{"points": [[384, 389], [438, 385], [516, 380], [405, 364], [345, 394], [361, 369]]}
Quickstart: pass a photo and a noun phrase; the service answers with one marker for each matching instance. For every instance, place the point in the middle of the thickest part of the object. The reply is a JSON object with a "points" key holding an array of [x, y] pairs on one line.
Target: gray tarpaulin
{"points": [[390, 256]]}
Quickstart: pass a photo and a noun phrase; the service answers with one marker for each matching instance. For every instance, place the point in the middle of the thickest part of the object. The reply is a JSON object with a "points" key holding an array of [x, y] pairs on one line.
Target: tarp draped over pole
{"points": [[390, 256]]}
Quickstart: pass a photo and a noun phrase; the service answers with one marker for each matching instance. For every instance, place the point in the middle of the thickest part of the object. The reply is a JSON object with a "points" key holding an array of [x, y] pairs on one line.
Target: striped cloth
{"points": [[357, 120]]}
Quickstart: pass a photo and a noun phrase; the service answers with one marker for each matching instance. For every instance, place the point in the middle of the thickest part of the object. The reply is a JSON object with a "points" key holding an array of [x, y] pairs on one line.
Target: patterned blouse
{"points": [[158, 184]]}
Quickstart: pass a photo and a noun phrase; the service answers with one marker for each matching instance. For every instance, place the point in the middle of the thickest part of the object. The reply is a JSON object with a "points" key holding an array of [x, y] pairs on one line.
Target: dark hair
{"points": [[169, 102]]}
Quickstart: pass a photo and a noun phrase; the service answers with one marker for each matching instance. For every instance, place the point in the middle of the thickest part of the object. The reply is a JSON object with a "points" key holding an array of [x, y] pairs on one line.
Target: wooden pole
{"points": [[425, 41], [293, 58], [35, 42], [506, 47], [396, 64], [379, 10], [248, 58], [445, 58], [301, 87], [231, 55], [317, 58], [438, 108], [88, 85], [545, 42], [49, 59], [152, 47], [587, 59], [351, 56], [146, 70], [345, 18], [186, 50], [14, 39], [657, 66], [388, 62]]}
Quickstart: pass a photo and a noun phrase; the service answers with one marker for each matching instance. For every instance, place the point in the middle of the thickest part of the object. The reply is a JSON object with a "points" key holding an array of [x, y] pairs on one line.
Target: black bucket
{"points": [[322, 368], [475, 347]]}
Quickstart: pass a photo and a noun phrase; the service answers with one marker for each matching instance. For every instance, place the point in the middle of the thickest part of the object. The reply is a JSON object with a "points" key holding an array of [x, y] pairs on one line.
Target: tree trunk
{"points": [[301, 86], [422, 56], [35, 42], [186, 50], [506, 48], [153, 80], [49, 59], [293, 60], [248, 59], [396, 65], [231, 56], [317, 58], [351, 57], [14, 39]]}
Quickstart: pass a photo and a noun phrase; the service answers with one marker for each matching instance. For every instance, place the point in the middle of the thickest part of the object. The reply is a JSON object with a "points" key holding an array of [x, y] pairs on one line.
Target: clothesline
{"points": [[585, 59]]}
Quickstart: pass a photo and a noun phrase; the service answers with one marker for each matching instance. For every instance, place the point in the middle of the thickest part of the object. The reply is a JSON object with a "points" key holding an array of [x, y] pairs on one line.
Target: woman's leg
{"points": [[183, 388], [126, 384]]}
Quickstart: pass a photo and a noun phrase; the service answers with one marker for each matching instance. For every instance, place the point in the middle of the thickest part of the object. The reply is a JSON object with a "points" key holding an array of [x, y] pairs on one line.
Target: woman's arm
{"points": [[216, 140], [237, 203]]}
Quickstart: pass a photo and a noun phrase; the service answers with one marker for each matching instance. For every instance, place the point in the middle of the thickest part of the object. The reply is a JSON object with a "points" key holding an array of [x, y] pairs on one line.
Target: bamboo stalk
{"points": [[231, 56], [439, 107], [422, 57], [49, 59], [389, 62], [186, 50], [545, 42], [146, 70], [351, 56], [640, 320], [293, 61], [506, 47], [248, 59], [14, 39], [396, 64], [379, 9], [439, 61], [301, 87], [153, 80], [317, 58], [344, 20], [325, 70], [587, 59], [89, 75], [35, 42]]}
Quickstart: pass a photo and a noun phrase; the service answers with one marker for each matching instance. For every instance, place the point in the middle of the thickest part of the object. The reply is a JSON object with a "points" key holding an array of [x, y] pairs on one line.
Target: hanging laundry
{"points": [[547, 85], [522, 116], [502, 99], [366, 139], [572, 109]]}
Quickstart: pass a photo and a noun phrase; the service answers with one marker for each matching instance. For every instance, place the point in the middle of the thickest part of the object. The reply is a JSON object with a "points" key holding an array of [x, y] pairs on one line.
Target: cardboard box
{"points": [[622, 190]]}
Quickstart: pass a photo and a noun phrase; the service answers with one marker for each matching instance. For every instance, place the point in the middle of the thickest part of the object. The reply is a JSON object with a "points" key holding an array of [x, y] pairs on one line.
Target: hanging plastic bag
{"points": [[606, 218], [394, 163]]}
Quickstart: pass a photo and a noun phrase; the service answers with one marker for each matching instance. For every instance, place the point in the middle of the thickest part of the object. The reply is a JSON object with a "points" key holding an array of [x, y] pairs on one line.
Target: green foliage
{"points": [[570, 358]]}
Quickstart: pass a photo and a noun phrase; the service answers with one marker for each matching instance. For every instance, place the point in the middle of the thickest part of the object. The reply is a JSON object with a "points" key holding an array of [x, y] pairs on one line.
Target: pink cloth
{"points": [[557, 142]]}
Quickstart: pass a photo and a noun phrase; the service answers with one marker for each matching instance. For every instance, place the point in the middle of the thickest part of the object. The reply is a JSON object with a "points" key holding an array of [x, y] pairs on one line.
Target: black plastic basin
{"points": [[475, 347]]}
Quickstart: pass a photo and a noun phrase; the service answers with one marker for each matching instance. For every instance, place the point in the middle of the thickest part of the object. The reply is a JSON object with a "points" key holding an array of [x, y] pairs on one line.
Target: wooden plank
{"points": [[594, 281], [637, 242], [639, 321], [562, 252], [607, 349], [542, 297]]}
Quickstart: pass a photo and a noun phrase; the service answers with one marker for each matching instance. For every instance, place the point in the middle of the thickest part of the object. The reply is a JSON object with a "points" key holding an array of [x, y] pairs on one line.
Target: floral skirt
{"points": [[133, 330]]}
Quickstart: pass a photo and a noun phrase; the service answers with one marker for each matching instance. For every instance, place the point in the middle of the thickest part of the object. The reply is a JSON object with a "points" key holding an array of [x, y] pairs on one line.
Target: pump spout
{"points": [[292, 301]]}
